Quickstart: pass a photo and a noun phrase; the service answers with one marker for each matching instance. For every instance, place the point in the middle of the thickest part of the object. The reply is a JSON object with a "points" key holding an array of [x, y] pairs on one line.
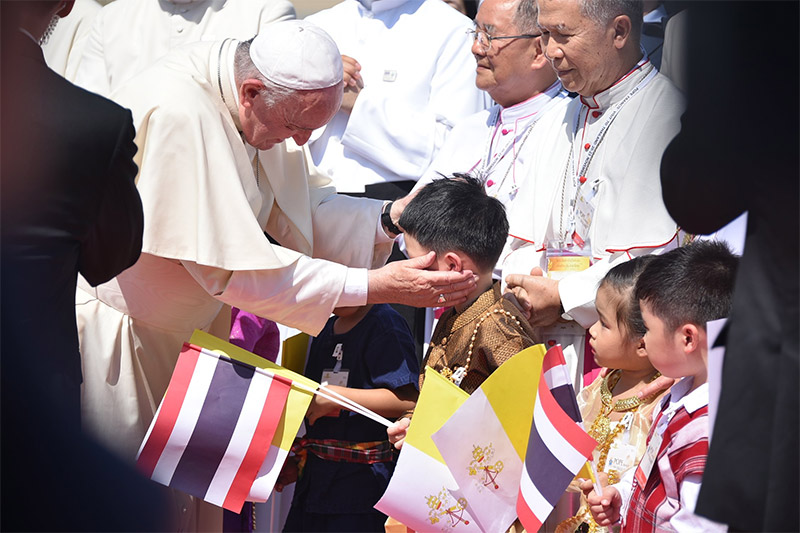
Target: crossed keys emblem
{"points": [[481, 465], [442, 504]]}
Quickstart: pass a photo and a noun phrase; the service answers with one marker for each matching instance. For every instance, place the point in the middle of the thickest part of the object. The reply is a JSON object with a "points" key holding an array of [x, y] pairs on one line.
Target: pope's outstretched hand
{"points": [[407, 282]]}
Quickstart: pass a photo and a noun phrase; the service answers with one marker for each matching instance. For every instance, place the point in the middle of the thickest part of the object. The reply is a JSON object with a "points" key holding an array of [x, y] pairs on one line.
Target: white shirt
{"points": [[130, 35], [419, 80]]}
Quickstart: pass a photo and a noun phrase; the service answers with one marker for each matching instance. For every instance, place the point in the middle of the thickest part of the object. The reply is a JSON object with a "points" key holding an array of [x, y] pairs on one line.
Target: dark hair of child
{"points": [[457, 214], [691, 284], [622, 278]]}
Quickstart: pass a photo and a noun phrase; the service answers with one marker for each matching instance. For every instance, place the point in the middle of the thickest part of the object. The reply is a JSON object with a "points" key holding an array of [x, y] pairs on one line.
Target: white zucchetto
{"points": [[298, 55]]}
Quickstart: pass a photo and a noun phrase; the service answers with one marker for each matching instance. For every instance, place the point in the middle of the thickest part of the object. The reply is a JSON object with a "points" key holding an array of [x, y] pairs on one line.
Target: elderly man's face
{"points": [[265, 126], [581, 51], [500, 70]]}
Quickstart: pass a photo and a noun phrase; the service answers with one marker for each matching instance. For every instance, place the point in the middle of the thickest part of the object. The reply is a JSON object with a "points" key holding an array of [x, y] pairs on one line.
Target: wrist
{"points": [[387, 222]]}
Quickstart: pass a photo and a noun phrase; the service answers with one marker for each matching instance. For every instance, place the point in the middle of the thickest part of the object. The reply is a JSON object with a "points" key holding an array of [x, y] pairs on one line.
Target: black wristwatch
{"points": [[386, 220]]}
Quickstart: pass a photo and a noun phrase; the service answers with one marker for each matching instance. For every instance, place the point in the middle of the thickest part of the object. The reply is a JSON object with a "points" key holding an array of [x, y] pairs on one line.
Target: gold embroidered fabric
{"points": [[496, 340], [590, 404]]}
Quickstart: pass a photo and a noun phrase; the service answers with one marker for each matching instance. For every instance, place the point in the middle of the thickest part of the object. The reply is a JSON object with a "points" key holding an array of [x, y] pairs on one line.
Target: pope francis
{"points": [[219, 129]]}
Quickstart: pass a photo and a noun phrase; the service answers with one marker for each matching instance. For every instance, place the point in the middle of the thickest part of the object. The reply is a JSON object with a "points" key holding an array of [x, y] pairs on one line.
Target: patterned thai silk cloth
{"points": [[493, 325], [344, 451]]}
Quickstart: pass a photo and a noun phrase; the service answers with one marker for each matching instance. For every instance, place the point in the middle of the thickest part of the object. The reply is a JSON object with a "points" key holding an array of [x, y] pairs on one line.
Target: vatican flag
{"points": [[422, 493], [484, 442]]}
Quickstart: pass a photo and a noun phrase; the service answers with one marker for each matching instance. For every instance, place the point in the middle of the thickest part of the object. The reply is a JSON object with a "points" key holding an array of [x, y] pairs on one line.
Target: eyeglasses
{"points": [[485, 40]]}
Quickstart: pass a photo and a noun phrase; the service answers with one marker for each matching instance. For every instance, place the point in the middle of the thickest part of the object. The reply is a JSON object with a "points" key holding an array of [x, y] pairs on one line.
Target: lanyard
{"points": [[489, 161], [604, 129], [579, 176]]}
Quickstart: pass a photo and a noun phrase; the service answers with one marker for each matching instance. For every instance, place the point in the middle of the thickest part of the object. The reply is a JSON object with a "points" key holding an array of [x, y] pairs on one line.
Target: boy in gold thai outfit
{"points": [[467, 229]]}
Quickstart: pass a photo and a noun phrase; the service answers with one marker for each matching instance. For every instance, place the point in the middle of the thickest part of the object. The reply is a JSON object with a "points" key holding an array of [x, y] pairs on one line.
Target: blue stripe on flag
{"points": [[545, 470], [214, 428], [564, 396]]}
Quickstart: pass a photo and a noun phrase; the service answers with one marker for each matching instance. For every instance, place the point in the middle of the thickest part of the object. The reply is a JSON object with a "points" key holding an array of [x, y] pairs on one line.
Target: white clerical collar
{"points": [[377, 6], [529, 108], [605, 99]]}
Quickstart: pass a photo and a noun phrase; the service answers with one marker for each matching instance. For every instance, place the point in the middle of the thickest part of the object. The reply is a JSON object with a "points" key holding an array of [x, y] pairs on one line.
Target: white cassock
{"points": [[130, 35], [64, 49], [628, 217], [419, 80], [205, 213], [495, 145]]}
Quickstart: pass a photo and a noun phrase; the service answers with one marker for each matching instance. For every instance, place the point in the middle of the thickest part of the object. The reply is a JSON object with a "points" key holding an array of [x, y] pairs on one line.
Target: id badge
{"points": [[563, 260], [621, 457], [585, 204], [648, 459], [334, 377]]}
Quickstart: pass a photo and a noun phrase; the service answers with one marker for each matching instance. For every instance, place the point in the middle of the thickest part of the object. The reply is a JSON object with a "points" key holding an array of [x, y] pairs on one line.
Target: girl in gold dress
{"points": [[617, 418]]}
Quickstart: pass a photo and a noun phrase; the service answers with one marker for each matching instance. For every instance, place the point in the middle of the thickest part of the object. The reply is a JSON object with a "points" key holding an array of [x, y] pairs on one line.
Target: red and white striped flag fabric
{"points": [[214, 427], [558, 446]]}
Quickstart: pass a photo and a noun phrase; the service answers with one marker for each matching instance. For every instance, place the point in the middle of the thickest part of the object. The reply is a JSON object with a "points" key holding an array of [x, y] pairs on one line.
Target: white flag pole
{"points": [[326, 393], [356, 407]]}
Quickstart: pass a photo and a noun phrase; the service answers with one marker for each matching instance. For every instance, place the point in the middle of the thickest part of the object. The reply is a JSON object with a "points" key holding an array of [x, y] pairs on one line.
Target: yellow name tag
{"points": [[568, 263]]}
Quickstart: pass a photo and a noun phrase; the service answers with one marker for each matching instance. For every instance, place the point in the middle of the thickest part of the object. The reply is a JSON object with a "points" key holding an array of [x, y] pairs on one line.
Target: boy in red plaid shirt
{"points": [[678, 293]]}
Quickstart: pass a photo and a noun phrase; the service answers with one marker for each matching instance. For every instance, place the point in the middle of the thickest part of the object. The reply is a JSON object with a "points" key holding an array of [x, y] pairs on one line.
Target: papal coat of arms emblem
{"points": [[444, 506], [483, 469]]}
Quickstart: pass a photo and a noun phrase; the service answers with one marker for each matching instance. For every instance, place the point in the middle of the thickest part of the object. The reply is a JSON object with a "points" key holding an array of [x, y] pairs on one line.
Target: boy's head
{"points": [[678, 293], [456, 219]]}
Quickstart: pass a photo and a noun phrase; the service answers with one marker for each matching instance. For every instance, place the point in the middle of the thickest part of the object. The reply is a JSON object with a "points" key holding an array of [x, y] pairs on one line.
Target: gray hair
{"points": [[525, 17], [243, 69], [604, 11]]}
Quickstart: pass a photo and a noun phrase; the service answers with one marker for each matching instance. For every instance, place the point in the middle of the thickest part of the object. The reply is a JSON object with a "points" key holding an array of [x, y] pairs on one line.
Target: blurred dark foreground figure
{"points": [[729, 159], [68, 204]]}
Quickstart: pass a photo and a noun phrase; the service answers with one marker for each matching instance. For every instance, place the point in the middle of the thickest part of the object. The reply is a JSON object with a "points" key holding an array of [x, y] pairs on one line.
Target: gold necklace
{"points": [[601, 426], [601, 432], [457, 374]]}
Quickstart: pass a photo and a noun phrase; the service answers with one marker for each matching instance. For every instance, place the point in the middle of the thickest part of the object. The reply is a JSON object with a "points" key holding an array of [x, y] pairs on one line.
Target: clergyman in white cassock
{"points": [[494, 144], [491, 144], [595, 188]]}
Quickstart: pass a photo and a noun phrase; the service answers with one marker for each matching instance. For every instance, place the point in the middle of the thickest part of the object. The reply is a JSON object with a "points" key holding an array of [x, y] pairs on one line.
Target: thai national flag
{"points": [[558, 446], [214, 427]]}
